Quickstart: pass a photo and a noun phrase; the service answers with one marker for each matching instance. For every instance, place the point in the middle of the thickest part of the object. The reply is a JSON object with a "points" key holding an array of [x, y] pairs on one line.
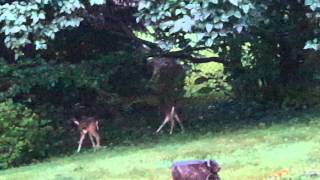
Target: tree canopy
{"points": [[175, 24]]}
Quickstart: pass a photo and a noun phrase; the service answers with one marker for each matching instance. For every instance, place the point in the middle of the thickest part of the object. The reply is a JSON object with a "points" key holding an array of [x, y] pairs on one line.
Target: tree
{"points": [[36, 22], [180, 29], [277, 30]]}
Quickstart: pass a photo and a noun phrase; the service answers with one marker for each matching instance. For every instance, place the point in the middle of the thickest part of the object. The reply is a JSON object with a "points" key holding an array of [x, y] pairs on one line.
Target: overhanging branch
{"points": [[153, 50], [186, 54], [197, 59]]}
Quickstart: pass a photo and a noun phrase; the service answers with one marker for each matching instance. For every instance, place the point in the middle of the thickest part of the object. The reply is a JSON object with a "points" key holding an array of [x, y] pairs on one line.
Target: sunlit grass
{"points": [[251, 153]]}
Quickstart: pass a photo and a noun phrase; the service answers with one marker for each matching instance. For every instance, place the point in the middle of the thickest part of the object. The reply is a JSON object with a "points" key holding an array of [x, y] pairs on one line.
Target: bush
{"points": [[206, 79], [23, 136]]}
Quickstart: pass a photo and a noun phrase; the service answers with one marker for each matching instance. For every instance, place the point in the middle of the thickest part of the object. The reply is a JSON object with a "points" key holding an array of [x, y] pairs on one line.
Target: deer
{"points": [[90, 126], [166, 72]]}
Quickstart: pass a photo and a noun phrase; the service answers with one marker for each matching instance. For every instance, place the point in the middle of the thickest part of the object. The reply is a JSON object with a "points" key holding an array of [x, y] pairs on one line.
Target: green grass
{"points": [[250, 153]]}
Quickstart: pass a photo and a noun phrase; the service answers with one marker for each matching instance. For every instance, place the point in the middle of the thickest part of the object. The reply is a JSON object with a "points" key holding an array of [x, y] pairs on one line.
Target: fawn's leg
{"points": [[92, 141], [179, 122], [80, 141], [171, 124], [97, 138], [166, 119]]}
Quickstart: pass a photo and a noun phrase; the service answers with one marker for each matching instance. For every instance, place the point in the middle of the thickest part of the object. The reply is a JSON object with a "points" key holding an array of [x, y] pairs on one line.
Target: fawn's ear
{"points": [[76, 122], [208, 163]]}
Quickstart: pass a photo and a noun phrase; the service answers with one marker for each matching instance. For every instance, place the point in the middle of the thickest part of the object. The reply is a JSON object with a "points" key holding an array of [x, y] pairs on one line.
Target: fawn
{"points": [[88, 125]]}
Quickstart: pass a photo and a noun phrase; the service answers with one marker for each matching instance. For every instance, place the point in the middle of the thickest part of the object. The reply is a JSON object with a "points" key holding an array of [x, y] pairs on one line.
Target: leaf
{"points": [[239, 28], [193, 6], [216, 19], [178, 11], [245, 8], [188, 22], [175, 28], [183, 24], [209, 27], [218, 26], [200, 36], [144, 5], [20, 20], [194, 12], [40, 44], [97, 2], [205, 14], [224, 18], [234, 2], [15, 29], [209, 42], [214, 35], [42, 15], [308, 2], [214, 1], [237, 14], [223, 33], [10, 16], [311, 45]]}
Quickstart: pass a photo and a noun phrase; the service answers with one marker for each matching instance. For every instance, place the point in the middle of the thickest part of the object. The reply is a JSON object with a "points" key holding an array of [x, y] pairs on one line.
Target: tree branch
{"points": [[187, 55], [198, 59], [153, 49]]}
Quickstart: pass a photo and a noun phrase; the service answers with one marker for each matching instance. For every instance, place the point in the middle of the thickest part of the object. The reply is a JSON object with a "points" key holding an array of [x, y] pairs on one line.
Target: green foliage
{"points": [[97, 2], [36, 22], [298, 98], [206, 79], [103, 73], [257, 75], [23, 135], [173, 21], [312, 44], [23, 77], [314, 5], [51, 89]]}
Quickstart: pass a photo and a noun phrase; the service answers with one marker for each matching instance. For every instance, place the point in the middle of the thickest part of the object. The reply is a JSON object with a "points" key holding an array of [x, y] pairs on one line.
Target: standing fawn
{"points": [[88, 125], [171, 116]]}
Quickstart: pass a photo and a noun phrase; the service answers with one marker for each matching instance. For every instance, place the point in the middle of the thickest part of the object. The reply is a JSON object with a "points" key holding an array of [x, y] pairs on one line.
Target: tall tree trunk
{"points": [[290, 51]]}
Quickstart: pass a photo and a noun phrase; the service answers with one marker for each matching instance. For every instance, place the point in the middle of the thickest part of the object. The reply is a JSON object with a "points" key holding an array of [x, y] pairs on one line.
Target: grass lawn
{"points": [[290, 150]]}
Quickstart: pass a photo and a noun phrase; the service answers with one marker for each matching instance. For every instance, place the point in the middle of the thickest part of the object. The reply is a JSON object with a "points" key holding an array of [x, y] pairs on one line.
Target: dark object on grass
{"points": [[312, 174], [195, 170]]}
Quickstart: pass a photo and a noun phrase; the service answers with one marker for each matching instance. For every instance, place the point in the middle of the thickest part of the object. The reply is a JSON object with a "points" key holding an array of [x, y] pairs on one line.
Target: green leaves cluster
{"points": [[37, 21], [314, 5], [51, 89], [22, 77], [206, 79], [27, 77], [23, 136], [194, 23]]}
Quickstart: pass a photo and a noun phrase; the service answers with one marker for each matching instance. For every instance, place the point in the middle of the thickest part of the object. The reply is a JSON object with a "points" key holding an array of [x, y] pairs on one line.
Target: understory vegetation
{"points": [[287, 149]]}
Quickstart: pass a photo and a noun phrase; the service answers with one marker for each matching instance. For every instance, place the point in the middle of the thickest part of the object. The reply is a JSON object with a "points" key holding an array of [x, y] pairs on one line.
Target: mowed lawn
{"points": [[290, 150]]}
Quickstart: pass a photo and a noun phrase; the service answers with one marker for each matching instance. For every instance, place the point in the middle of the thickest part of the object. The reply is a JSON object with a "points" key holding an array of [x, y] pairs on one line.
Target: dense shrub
{"points": [[23, 136], [206, 79], [94, 87]]}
